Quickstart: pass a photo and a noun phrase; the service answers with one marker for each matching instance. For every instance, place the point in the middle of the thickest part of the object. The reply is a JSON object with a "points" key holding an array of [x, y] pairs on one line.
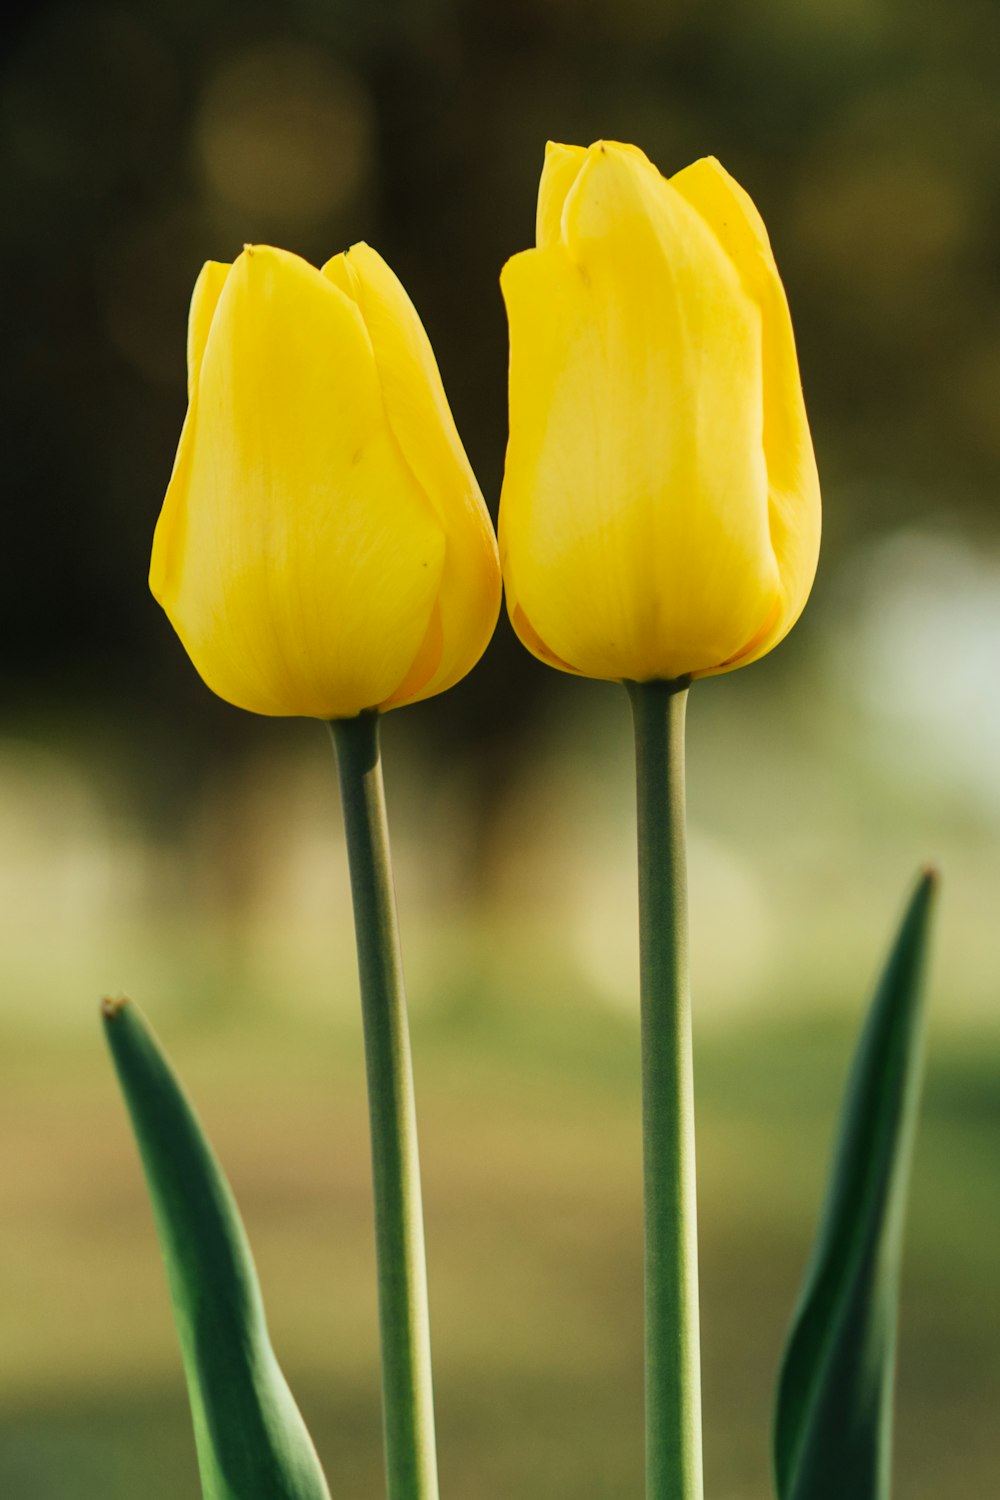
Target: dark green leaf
{"points": [[833, 1428], [251, 1440]]}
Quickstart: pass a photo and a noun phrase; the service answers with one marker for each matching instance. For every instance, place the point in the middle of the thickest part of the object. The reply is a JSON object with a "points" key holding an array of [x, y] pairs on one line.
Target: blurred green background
{"points": [[155, 840]]}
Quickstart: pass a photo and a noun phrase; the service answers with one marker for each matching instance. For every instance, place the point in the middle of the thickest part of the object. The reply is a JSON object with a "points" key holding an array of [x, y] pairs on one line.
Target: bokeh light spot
{"points": [[284, 131]]}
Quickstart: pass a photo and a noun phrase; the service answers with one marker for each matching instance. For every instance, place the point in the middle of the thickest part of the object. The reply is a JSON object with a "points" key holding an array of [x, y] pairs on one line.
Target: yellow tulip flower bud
{"points": [[323, 547], [660, 512]]}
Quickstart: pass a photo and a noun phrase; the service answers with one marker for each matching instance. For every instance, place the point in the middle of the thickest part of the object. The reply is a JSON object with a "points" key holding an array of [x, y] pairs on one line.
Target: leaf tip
{"points": [[112, 1006], [925, 892]]}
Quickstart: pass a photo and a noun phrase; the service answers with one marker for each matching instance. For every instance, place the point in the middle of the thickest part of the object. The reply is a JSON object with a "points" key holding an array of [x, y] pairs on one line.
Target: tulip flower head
{"points": [[323, 547], [660, 512]]}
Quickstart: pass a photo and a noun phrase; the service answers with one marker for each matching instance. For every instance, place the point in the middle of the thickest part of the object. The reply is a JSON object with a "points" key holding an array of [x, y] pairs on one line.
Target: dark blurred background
{"points": [[155, 839]]}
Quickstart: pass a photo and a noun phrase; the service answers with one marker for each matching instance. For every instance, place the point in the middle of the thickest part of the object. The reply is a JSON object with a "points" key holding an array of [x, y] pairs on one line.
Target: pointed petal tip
{"points": [[210, 267], [707, 167], [256, 256], [708, 163]]}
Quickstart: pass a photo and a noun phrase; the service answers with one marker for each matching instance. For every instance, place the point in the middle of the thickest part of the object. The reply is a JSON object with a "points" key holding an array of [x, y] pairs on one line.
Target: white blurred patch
{"points": [[919, 645]]}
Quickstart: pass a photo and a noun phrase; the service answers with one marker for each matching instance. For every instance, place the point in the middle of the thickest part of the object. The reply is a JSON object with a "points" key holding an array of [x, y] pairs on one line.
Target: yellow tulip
{"points": [[323, 547], [660, 512]]}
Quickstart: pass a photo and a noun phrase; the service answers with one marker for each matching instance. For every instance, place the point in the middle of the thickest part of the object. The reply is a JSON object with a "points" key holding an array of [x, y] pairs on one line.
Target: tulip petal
{"points": [[296, 556], [421, 421], [424, 665], [562, 165], [204, 301], [793, 483], [634, 516]]}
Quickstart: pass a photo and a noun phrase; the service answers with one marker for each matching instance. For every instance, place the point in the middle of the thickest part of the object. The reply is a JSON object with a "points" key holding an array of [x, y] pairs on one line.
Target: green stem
{"points": [[673, 1376], [407, 1398]]}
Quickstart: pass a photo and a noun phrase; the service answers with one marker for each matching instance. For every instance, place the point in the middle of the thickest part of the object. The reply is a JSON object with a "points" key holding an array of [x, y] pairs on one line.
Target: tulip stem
{"points": [[673, 1375], [407, 1396]]}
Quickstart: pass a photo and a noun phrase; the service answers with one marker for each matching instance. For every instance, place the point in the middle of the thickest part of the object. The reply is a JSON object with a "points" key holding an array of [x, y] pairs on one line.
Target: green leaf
{"points": [[252, 1442], [833, 1428]]}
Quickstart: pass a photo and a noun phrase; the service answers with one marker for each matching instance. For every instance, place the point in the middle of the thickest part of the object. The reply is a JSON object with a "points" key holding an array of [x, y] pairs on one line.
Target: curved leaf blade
{"points": [[251, 1440], [833, 1422]]}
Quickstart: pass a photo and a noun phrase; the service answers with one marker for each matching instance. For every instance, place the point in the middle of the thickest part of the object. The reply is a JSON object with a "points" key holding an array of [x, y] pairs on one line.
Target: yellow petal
{"points": [[204, 300], [342, 275], [420, 419], [634, 514], [793, 483], [729, 211], [562, 163], [296, 556]]}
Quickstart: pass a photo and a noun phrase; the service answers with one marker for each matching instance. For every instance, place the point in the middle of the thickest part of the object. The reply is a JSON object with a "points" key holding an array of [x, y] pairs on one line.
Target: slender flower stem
{"points": [[673, 1375], [407, 1397]]}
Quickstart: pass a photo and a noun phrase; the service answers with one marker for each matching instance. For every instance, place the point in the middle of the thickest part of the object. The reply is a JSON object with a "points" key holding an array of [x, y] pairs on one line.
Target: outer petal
{"points": [[562, 164], [468, 600], [295, 555], [204, 300], [634, 517], [793, 483]]}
